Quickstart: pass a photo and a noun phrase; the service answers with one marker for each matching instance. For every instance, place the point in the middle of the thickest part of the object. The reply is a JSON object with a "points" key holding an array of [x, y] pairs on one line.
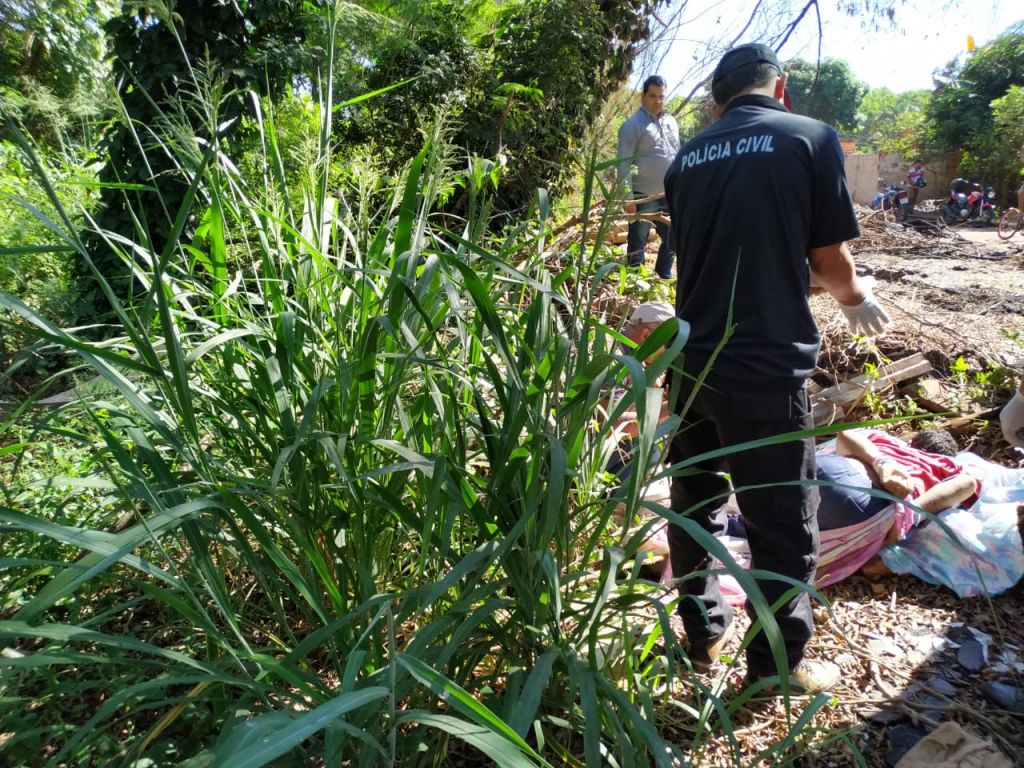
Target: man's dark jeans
{"points": [[780, 519], [639, 231]]}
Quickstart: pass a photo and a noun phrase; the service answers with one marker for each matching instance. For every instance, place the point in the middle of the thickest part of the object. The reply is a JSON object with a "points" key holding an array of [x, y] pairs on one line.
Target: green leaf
{"points": [[461, 700], [283, 733], [372, 94], [500, 750], [69, 634], [533, 693]]}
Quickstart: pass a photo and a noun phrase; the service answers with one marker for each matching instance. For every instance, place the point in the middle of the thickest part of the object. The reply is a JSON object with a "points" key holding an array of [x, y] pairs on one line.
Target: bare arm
{"points": [[627, 423], [833, 270], [891, 476], [856, 446], [946, 494]]}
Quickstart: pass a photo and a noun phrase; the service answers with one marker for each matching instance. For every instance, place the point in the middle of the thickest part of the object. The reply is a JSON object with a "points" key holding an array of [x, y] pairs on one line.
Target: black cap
{"points": [[740, 57]]}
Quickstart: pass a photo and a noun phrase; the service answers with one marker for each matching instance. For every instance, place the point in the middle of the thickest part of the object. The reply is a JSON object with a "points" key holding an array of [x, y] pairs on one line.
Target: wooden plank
{"points": [[837, 402]]}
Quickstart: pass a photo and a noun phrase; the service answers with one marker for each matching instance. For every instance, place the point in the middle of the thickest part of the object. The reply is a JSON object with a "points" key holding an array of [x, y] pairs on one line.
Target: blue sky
{"points": [[927, 35]]}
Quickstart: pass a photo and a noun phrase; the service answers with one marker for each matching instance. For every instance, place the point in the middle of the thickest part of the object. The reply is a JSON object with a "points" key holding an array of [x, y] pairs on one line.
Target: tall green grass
{"points": [[356, 447]]}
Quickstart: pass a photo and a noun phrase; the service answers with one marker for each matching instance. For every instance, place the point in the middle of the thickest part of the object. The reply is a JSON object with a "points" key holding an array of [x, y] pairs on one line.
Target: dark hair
{"points": [[935, 441], [657, 80], [727, 89]]}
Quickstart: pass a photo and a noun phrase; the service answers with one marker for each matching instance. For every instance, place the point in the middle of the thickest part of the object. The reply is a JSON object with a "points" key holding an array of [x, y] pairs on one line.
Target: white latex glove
{"points": [[1012, 419], [868, 317]]}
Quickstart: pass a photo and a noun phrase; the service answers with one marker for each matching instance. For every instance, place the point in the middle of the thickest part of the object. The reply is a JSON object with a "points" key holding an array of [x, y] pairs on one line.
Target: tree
{"points": [[1008, 114], [156, 53], [893, 121], [974, 108], [52, 63], [525, 85], [58, 44], [1003, 163], [829, 92], [960, 113]]}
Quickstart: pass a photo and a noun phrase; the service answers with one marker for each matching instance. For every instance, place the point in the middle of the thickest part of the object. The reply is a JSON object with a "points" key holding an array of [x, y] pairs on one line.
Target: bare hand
{"points": [[629, 207], [894, 478]]}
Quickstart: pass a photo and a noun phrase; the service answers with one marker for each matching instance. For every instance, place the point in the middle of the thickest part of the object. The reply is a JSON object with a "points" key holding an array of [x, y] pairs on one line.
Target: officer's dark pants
{"points": [[780, 520], [636, 240]]}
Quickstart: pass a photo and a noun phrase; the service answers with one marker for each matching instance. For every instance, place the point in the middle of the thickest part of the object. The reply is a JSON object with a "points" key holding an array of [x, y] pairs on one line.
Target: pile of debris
{"points": [[922, 232], [879, 232]]}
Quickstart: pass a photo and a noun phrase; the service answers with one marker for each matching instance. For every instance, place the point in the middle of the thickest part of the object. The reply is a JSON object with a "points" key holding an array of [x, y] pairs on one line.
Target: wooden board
{"points": [[837, 402]]}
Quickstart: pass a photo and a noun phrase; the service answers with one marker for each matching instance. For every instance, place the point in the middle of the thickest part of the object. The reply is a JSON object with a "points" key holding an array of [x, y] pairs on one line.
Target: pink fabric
{"points": [[926, 470], [844, 551]]}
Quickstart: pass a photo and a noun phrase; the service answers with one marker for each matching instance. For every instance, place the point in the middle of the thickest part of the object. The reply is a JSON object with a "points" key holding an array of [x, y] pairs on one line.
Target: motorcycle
{"points": [[986, 204], [891, 197], [969, 201]]}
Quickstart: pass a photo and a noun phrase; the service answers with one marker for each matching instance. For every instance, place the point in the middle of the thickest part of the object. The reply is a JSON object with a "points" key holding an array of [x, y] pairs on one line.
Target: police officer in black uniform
{"points": [[761, 212]]}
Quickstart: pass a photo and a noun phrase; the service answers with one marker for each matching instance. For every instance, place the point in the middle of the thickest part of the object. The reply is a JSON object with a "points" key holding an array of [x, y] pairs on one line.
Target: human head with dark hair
{"points": [[745, 69], [935, 441], [657, 80], [653, 98]]}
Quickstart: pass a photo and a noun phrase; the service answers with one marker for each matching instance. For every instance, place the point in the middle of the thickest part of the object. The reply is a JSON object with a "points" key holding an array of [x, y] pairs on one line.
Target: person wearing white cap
{"points": [[645, 318], [760, 211], [641, 323]]}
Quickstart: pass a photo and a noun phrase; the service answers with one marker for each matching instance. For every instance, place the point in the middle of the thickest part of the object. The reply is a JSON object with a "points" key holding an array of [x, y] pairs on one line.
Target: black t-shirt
{"points": [[749, 197]]}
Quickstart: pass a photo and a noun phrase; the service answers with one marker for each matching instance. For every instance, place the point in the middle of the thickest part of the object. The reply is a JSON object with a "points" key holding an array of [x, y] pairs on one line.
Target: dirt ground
{"points": [[910, 651], [962, 288]]}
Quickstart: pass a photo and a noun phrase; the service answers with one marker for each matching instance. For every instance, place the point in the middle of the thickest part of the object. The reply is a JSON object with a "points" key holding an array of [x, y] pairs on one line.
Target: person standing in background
{"points": [[648, 141], [915, 183]]}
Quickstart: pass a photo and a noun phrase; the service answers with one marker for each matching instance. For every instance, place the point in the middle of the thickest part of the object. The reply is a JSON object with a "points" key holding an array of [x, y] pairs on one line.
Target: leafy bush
{"points": [[342, 435], [31, 267], [522, 88]]}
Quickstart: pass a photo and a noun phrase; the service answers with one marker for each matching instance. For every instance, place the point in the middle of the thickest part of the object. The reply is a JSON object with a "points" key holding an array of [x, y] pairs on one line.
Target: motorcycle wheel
{"points": [[1011, 221]]}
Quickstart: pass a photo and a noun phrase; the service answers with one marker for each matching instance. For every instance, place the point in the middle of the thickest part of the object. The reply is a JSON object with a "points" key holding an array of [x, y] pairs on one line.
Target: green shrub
{"points": [[34, 263]]}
